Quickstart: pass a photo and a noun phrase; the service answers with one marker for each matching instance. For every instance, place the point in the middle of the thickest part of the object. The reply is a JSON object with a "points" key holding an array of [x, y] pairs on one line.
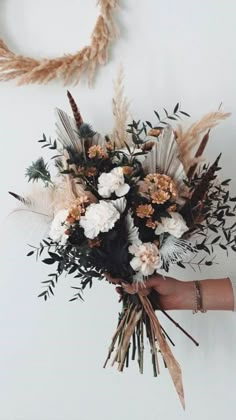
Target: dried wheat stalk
{"points": [[120, 107], [69, 67], [189, 140]]}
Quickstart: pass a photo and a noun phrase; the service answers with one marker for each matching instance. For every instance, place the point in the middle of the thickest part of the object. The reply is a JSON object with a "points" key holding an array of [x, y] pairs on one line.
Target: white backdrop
{"points": [[51, 354]]}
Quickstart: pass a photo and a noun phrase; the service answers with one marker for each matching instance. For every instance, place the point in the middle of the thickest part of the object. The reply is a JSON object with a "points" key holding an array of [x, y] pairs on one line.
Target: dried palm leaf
{"points": [[164, 157]]}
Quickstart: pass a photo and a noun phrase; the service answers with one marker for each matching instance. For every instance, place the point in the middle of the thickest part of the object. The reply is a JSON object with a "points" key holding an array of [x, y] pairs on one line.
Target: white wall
{"points": [[51, 354]]}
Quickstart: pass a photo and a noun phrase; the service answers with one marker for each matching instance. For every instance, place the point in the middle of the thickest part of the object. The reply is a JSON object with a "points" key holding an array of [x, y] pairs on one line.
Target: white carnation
{"points": [[99, 217], [146, 258], [58, 227], [113, 182], [174, 225]]}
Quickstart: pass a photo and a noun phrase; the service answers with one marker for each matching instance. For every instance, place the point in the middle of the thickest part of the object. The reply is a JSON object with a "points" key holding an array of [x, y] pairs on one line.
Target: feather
{"points": [[173, 250], [23, 200], [34, 213], [164, 157], [66, 130], [75, 110]]}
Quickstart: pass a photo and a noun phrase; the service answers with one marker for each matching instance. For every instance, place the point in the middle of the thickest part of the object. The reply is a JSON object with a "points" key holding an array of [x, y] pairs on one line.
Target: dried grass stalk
{"points": [[69, 67], [189, 140], [172, 364], [120, 107]]}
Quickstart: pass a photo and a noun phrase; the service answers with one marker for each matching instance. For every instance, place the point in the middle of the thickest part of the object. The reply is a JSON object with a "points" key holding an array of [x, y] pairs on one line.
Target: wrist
{"points": [[185, 296]]}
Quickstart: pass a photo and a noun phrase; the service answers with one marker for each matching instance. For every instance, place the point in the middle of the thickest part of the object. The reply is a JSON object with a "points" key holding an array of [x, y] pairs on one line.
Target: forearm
{"points": [[217, 294]]}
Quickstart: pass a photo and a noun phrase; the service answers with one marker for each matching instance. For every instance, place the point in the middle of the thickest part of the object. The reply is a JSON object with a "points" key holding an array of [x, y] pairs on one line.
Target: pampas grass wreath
{"points": [[69, 67]]}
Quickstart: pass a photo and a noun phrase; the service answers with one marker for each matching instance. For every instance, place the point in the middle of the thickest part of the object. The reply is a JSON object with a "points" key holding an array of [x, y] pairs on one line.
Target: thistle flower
{"points": [[38, 170]]}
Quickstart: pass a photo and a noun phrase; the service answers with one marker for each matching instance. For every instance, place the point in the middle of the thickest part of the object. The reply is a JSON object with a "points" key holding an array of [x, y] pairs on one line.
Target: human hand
{"points": [[172, 293], [217, 294]]}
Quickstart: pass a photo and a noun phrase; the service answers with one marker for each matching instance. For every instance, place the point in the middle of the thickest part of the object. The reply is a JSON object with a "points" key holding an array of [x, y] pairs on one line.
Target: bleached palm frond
{"points": [[66, 130], [174, 250], [120, 204], [189, 140], [120, 107], [133, 232], [164, 157]]}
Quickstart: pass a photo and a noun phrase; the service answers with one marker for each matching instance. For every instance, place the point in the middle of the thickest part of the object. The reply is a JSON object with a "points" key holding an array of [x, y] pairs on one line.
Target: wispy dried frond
{"points": [[189, 140], [120, 107], [69, 67]]}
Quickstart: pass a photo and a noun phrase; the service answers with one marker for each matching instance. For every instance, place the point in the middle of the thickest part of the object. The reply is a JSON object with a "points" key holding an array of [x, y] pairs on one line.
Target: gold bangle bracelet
{"points": [[198, 298]]}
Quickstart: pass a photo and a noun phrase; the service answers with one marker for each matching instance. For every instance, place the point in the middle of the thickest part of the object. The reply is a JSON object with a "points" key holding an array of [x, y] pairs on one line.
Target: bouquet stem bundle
{"points": [[134, 319]]}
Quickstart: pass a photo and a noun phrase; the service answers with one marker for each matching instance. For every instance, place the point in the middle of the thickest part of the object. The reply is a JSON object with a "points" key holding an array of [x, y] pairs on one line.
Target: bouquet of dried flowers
{"points": [[130, 204]]}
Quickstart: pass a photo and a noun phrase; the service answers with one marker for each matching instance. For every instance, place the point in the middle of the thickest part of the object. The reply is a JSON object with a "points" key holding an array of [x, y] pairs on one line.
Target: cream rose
{"points": [[146, 258], [113, 182], [100, 217], [174, 225]]}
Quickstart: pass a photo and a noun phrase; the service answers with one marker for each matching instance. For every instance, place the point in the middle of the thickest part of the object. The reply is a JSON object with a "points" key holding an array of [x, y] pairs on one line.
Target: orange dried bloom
{"points": [[77, 208], [154, 132], [148, 146], [97, 152], [160, 196], [164, 182], [173, 189], [144, 210], [161, 187], [127, 170]]}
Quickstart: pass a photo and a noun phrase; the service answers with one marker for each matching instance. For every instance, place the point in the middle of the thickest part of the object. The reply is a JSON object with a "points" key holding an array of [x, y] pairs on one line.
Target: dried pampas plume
{"points": [[190, 139], [120, 107], [68, 67]]}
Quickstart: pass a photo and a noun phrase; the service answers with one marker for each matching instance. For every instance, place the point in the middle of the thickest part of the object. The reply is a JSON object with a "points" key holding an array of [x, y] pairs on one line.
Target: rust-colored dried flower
{"points": [[173, 189], [147, 146], [91, 171], [77, 208], [160, 187], [127, 170], [109, 146], [144, 210], [97, 151], [96, 242], [81, 170], [155, 132], [173, 207], [151, 224], [160, 196], [71, 220], [164, 182]]}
